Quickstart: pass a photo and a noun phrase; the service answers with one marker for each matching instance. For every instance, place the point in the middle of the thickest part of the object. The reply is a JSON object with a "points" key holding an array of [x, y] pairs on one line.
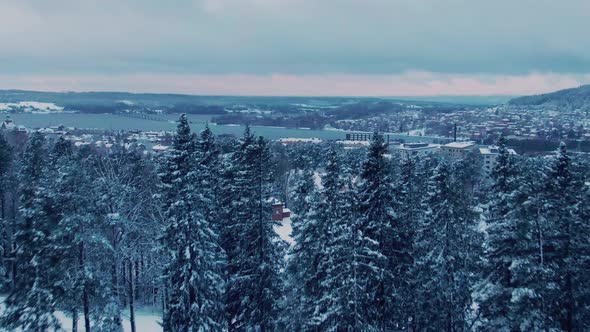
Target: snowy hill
{"points": [[567, 99], [31, 106]]}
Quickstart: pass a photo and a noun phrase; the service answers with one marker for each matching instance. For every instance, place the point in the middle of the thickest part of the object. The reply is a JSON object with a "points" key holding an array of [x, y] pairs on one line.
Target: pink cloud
{"points": [[416, 83]]}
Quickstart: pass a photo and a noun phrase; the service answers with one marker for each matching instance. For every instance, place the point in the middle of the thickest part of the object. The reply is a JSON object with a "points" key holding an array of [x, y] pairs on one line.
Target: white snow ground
{"points": [[145, 320], [284, 230]]}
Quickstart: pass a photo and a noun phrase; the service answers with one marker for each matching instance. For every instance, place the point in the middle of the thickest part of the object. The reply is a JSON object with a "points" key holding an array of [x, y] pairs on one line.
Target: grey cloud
{"points": [[294, 36]]}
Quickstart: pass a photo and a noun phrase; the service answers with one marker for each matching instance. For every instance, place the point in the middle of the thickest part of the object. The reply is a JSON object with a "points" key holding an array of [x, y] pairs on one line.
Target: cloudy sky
{"points": [[296, 47]]}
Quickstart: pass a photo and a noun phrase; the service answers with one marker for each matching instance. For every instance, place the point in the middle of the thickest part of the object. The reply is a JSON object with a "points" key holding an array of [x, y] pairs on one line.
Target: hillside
{"points": [[568, 99], [111, 102]]}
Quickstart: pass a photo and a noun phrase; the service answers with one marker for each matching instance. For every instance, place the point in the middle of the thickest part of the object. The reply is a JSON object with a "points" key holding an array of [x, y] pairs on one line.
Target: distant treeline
{"points": [[575, 98], [311, 120], [291, 117], [540, 144], [94, 108], [544, 145]]}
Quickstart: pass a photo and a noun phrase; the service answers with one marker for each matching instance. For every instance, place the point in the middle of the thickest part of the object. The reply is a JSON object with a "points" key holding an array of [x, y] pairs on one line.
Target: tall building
{"points": [[489, 155], [457, 150]]}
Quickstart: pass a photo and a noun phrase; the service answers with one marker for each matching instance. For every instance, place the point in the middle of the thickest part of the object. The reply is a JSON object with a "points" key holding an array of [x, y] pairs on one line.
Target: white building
{"points": [[407, 150], [488, 156], [457, 150]]}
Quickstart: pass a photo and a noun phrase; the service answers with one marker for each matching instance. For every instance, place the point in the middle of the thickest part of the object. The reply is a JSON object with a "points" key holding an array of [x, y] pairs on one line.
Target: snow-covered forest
{"points": [[378, 243]]}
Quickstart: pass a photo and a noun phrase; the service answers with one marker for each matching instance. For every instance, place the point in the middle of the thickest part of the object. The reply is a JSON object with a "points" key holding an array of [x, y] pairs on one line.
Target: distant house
{"points": [[7, 124]]}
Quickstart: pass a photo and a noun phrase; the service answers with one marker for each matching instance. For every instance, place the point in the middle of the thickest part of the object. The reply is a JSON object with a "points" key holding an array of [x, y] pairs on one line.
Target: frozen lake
{"points": [[116, 122]]}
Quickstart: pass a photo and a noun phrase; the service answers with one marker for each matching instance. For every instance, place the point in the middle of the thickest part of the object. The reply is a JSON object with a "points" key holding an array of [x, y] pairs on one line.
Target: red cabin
{"points": [[279, 212]]}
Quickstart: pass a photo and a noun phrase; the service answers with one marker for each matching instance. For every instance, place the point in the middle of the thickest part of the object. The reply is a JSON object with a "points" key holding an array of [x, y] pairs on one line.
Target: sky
{"points": [[296, 47]]}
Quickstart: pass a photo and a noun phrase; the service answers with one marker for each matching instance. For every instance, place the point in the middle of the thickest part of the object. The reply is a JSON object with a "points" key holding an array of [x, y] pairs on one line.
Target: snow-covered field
{"points": [[32, 106], [146, 321]]}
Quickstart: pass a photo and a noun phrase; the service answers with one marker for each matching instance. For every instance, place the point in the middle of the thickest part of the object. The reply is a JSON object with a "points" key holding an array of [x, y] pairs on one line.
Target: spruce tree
{"points": [[581, 253], [302, 206], [380, 240], [309, 235], [6, 159], [207, 178], [77, 236], [31, 303], [501, 245], [341, 285], [409, 189], [444, 255], [192, 273], [568, 238], [254, 284], [303, 187]]}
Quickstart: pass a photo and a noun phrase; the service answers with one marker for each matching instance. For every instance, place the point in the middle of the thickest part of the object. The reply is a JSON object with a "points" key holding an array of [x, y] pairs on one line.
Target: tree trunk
{"points": [[13, 256], [131, 297], [74, 320], [85, 298], [124, 293], [86, 302], [136, 293], [114, 267]]}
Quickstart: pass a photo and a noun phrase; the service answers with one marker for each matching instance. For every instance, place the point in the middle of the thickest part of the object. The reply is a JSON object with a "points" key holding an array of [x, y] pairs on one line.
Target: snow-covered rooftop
{"points": [[417, 146], [460, 145], [286, 140], [159, 148], [492, 149], [353, 143]]}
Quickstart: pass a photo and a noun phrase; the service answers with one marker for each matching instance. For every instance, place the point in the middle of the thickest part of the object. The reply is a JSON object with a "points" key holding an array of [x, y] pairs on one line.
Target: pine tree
{"points": [[207, 176], [569, 243], [192, 274], [341, 285], [581, 253], [299, 307], [303, 187], [380, 242], [444, 255], [409, 189], [230, 235], [309, 235], [529, 269], [6, 159], [32, 302], [253, 285], [495, 291], [75, 232]]}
